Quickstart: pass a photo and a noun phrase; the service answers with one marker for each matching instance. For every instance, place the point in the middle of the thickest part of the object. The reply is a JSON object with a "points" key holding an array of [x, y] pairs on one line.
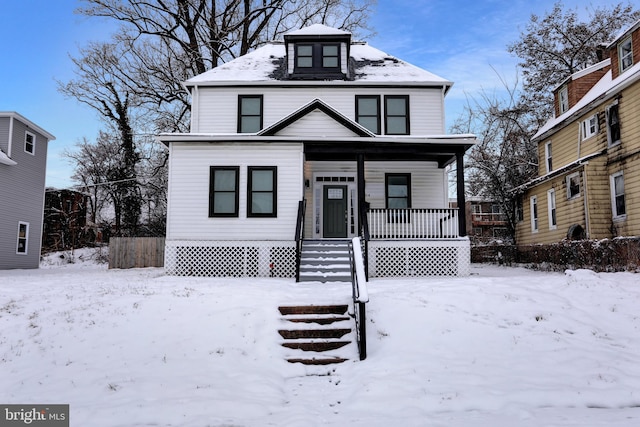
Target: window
{"points": [[617, 196], [29, 142], [563, 99], [330, 56], [589, 127], [262, 191], [23, 238], [534, 214], [548, 155], [396, 115], [249, 113], [223, 191], [304, 56], [318, 57], [398, 190], [519, 209], [551, 203], [625, 53], [368, 112], [613, 124], [573, 185]]}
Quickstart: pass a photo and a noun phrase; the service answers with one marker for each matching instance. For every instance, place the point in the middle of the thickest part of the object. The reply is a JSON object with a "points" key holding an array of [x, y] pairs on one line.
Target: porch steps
{"points": [[316, 334], [325, 261]]}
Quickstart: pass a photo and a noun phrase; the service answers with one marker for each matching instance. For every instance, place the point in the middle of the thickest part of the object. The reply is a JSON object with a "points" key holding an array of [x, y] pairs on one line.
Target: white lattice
{"points": [[419, 258], [230, 258]]}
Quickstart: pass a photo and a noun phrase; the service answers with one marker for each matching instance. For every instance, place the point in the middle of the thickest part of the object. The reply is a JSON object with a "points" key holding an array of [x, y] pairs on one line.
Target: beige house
{"points": [[588, 185]]}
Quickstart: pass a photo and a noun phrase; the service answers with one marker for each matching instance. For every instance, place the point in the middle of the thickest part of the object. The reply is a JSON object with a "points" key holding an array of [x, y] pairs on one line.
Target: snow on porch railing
{"points": [[413, 223]]}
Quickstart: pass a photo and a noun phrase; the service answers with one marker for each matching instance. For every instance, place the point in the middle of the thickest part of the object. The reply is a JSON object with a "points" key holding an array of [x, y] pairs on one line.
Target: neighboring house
{"points": [[324, 132], [23, 160], [65, 220], [589, 154], [486, 222]]}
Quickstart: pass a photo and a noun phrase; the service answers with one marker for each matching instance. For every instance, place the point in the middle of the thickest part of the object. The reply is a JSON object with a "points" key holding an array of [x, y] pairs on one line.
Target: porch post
{"points": [[462, 214], [361, 195]]}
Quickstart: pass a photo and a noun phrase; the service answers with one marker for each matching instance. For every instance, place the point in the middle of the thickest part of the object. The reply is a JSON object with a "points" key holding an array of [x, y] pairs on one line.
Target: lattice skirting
{"points": [[419, 258], [230, 258]]}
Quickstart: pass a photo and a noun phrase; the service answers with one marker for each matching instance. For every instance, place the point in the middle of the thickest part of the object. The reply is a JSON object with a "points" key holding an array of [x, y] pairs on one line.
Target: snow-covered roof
{"points": [[318, 30], [624, 32], [584, 72], [6, 160]]}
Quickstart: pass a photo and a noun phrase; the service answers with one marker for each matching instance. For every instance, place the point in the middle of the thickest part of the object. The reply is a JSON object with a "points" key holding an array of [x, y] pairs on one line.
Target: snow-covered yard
{"points": [[504, 347]]}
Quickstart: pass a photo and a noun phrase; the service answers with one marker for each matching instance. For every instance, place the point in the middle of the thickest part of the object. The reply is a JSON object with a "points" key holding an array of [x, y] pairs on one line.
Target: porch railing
{"points": [[360, 295], [413, 223], [302, 204]]}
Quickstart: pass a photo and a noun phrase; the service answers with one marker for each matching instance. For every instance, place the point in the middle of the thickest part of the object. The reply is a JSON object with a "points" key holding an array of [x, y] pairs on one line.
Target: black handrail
{"points": [[364, 222], [360, 296], [302, 204]]}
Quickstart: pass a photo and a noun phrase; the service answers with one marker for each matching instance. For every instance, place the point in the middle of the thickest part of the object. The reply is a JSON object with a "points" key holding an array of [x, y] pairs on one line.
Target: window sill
{"points": [[620, 218]]}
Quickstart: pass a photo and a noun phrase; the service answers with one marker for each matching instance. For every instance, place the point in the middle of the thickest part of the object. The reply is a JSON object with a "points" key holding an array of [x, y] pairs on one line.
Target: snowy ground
{"points": [[504, 347]]}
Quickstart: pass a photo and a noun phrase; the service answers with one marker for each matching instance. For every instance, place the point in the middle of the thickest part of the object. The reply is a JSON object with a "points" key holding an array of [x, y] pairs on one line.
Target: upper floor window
{"points": [[613, 124], [29, 142], [262, 191], [533, 201], [249, 113], [548, 155], [625, 53], [617, 195], [589, 127], [396, 114], [368, 112], [563, 99], [317, 57], [23, 238], [223, 191], [573, 185]]}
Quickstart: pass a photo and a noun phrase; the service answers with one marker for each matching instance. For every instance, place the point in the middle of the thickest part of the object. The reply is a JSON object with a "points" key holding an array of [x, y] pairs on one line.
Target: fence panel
{"points": [[136, 252]]}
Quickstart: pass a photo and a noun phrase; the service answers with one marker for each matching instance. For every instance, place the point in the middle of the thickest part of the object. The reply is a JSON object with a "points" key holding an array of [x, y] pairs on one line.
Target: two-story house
{"points": [[23, 161], [322, 137], [589, 154]]}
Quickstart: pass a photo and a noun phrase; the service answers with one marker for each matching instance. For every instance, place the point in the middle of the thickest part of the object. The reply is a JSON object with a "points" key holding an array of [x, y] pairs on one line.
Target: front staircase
{"points": [[317, 334], [325, 261]]}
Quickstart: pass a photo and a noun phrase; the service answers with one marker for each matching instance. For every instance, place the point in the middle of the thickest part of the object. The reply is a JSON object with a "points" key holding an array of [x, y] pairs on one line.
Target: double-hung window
{"points": [[551, 204], [249, 113], [563, 100], [368, 112], [589, 127], [23, 238], [548, 154], [262, 191], [613, 124], [398, 190], [533, 202], [223, 191], [29, 143], [625, 54], [573, 185], [396, 114], [617, 195]]}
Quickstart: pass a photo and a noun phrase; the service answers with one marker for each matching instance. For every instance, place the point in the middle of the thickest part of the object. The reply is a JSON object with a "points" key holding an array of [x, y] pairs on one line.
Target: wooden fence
{"points": [[136, 252]]}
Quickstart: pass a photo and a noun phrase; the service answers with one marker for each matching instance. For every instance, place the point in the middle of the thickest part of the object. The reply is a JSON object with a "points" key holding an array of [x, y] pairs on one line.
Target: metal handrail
{"points": [[299, 237], [360, 295], [364, 222]]}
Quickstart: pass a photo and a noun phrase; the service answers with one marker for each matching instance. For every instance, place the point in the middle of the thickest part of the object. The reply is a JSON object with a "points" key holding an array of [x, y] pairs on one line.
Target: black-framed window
{"points": [[398, 190], [330, 56], [223, 191], [396, 114], [368, 112], [250, 108], [317, 57], [262, 191]]}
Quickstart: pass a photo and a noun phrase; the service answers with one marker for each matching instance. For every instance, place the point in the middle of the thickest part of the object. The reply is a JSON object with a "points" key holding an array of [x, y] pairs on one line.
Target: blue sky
{"points": [[461, 40]]}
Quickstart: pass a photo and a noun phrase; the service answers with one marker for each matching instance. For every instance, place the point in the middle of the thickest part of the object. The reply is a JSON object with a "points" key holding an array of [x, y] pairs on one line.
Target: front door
{"points": [[334, 211]]}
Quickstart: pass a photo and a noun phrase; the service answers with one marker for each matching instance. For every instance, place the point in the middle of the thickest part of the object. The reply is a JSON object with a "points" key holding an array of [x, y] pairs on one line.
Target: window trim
{"points": [[377, 117], [386, 189], [568, 182], [242, 116], [33, 142], [610, 140], [552, 209], [317, 58], [548, 155], [621, 58], [614, 206], [533, 205], [387, 115], [586, 131], [563, 100], [25, 238], [250, 192], [212, 192]]}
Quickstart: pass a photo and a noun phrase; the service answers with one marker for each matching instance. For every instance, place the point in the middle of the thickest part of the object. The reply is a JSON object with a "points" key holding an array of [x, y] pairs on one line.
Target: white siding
{"points": [[316, 123], [188, 210], [218, 107]]}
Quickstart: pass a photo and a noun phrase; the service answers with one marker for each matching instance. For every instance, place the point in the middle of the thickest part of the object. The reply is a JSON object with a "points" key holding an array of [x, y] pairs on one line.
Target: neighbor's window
{"points": [[551, 202], [23, 238], [368, 112], [396, 114], [29, 142], [625, 53], [563, 99], [573, 185], [548, 154], [249, 113], [613, 124], [589, 127], [617, 195], [262, 191], [223, 191], [534, 213]]}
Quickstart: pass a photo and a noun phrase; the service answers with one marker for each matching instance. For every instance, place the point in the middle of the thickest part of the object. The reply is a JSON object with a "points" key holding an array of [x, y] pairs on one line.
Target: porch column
{"points": [[361, 195], [462, 215]]}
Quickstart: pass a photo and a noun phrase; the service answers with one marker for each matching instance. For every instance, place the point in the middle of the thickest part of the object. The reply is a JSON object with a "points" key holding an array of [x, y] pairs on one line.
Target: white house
{"points": [[315, 138]]}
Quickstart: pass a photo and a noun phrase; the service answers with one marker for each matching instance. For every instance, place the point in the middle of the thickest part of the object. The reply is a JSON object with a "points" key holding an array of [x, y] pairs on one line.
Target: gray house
{"points": [[23, 161]]}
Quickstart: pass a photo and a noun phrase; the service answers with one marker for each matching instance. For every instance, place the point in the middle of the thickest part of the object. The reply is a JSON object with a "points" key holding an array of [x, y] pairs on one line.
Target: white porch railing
{"points": [[413, 223]]}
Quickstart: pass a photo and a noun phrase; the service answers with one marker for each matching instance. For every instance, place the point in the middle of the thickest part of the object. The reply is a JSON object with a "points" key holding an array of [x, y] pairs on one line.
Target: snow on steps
{"points": [[325, 261], [317, 335]]}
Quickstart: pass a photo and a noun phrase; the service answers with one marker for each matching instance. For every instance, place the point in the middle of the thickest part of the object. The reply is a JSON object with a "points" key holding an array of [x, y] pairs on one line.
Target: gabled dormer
{"points": [[625, 50], [573, 88], [318, 52]]}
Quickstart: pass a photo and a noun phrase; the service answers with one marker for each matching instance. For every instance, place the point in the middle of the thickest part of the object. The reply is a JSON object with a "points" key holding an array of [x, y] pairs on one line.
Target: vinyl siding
{"points": [[22, 198], [188, 208], [316, 123], [217, 108], [4, 134]]}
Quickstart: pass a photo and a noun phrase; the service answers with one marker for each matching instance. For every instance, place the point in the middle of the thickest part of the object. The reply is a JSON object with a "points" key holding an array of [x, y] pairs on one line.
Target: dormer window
{"points": [[563, 100], [625, 53], [318, 52], [317, 58]]}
